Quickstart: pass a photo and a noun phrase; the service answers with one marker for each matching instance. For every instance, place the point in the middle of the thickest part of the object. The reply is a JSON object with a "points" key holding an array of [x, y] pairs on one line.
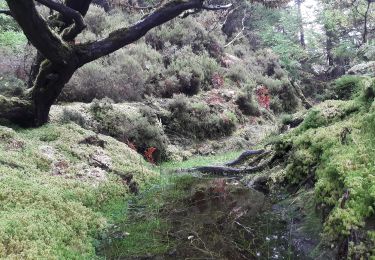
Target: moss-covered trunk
{"points": [[33, 107], [48, 86]]}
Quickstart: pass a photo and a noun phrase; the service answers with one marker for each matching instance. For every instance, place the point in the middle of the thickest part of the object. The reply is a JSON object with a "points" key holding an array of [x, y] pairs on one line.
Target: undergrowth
{"points": [[335, 146]]}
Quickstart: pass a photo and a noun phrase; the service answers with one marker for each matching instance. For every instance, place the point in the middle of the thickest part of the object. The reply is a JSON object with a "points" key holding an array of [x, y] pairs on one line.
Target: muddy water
{"points": [[223, 219]]}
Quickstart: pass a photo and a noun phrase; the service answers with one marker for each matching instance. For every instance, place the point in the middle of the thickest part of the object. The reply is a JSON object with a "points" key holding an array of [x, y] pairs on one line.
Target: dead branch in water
{"points": [[244, 156], [226, 169]]}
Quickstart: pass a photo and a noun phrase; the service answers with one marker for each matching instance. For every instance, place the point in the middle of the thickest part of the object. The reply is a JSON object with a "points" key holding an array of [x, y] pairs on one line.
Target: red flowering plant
{"points": [[263, 96], [149, 154]]}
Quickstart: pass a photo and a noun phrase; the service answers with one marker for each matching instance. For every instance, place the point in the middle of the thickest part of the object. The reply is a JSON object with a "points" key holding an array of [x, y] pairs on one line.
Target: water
{"points": [[223, 219]]}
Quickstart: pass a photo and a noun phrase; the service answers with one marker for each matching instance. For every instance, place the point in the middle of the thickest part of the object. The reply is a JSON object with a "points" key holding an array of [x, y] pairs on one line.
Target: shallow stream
{"points": [[223, 219]]}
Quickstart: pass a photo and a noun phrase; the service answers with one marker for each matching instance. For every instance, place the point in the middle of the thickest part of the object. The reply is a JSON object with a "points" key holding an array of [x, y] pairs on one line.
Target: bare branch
{"points": [[6, 12], [125, 36], [69, 14], [239, 35], [216, 7]]}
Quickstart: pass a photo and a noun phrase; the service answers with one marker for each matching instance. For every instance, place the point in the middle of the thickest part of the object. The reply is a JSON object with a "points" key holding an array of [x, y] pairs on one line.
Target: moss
{"points": [[49, 216], [335, 145]]}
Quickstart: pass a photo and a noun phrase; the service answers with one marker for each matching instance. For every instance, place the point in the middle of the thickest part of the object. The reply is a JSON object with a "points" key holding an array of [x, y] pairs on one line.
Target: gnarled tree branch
{"points": [[38, 32], [216, 7], [125, 36], [228, 170], [69, 14]]}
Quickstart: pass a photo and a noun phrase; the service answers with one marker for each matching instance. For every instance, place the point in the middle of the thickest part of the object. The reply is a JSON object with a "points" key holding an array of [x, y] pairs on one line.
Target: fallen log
{"points": [[244, 156], [226, 170]]}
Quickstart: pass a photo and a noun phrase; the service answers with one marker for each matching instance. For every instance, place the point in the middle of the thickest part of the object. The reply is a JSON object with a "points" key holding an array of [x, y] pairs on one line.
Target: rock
{"points": [[15, 145], [95, 174], [367, 68], [48, 152], [100, 159], [60, 167]]}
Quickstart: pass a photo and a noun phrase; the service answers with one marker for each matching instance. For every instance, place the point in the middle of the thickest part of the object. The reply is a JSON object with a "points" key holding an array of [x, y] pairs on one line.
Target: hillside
{"points": [[187, 129]]}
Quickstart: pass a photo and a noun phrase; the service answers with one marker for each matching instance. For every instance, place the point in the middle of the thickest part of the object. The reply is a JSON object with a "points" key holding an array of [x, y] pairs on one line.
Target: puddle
{"points": [[223, 219]]}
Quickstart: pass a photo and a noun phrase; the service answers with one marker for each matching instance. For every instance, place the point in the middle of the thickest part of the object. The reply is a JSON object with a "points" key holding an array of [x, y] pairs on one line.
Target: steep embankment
{"points": [[332, 151]]}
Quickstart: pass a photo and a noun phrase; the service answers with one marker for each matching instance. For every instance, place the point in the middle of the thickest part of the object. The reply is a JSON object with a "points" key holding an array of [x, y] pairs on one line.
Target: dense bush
{"points": [[190, 31], [247, 104], [346, 87], [193, 71], [139, 129], [120, 76], [197, 121], [11, 86]]}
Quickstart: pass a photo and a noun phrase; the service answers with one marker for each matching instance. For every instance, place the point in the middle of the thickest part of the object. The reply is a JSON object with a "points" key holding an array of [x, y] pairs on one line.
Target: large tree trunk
{"points": [[33, 108], [58, 58], [48, 86]]}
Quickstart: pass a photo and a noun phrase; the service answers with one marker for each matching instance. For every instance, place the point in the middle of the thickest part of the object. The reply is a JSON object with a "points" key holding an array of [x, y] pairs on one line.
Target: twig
{"points": [[238, 36]]}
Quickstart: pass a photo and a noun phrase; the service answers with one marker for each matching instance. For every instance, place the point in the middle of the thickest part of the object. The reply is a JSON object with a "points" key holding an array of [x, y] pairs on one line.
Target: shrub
{"points": [[11, 86], [247, 104], [198, 121], [96, 20], [286, 119], [346, 87], [121, 76], [183, 32], [193, 71], [70, 115], [138, 128]]}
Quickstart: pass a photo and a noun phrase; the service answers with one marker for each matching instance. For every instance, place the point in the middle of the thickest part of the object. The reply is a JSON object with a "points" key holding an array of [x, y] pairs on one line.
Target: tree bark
{"points": [[58, 58], [365, 29], [300, 24]]}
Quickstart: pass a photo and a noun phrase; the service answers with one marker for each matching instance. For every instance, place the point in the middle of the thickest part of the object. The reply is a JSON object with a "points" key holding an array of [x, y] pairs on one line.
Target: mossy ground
{"points": [[54, 204], [335, 147]]}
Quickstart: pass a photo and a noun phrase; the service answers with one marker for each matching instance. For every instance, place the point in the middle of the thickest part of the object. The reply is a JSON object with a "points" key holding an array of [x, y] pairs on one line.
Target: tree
{"points": [[300, 23], [58, 55]]}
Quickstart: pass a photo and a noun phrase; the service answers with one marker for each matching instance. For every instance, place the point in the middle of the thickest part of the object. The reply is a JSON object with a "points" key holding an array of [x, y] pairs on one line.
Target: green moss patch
{"points": [[54, 201]]}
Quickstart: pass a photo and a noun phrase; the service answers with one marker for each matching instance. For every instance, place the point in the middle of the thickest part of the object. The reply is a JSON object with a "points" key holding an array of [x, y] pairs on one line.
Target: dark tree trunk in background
{"points": [[300, 23], [329, 45], [365, 25]]}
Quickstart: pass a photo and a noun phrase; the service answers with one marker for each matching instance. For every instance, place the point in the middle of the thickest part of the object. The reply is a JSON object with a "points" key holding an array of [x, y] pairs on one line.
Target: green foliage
{"points": [[197, 121], [11, 86], [112, 77], [347, 87], [334, 145], [193, 71], [48, 216], [247, 104], [284, 42], [138, 128], [12, 39], [7, 23]]}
